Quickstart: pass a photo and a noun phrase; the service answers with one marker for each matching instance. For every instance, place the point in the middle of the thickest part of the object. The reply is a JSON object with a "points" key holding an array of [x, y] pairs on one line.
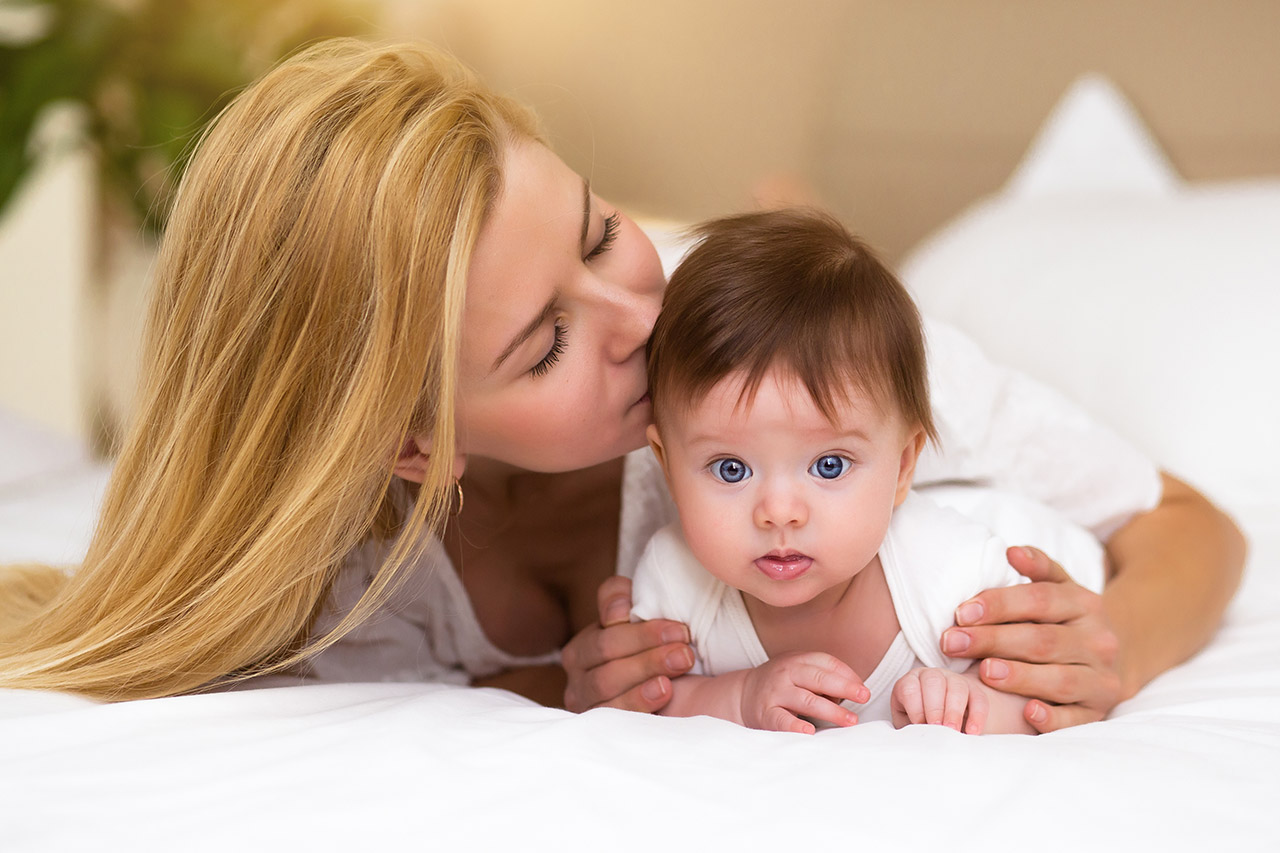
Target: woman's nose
{"points": [[780, 506], [635, 314]]}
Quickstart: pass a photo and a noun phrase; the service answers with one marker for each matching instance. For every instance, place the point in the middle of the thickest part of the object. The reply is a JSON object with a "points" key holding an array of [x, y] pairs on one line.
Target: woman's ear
{"points": [[907, 464], [415, 453]]}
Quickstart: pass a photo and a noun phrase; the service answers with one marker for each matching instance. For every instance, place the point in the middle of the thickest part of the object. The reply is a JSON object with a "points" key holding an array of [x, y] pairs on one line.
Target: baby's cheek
{"points": [[714, 537]]}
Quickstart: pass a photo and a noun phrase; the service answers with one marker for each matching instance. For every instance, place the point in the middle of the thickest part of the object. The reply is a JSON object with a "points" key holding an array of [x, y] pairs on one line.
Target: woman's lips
{"points": [[784, 567]]}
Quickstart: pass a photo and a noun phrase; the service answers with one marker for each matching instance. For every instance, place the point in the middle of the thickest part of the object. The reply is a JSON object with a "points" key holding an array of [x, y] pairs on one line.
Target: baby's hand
{"points": [[939, 697], [777, 693]]}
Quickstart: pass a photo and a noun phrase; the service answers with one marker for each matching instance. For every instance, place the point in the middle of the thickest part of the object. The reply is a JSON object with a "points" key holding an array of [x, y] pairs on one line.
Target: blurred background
{"points": [[895, 113]]}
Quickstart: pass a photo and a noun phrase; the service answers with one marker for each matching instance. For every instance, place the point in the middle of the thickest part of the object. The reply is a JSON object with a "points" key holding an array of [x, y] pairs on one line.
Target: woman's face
{"points": [[561, 297]]}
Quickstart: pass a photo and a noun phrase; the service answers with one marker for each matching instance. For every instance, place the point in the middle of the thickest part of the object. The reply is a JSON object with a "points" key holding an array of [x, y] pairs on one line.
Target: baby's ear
{"points": [[907, 464], [655, 444], [415, 454]]}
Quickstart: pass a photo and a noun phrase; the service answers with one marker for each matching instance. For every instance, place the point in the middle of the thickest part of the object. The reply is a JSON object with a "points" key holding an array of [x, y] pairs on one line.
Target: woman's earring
{"points": [[457, 497]]}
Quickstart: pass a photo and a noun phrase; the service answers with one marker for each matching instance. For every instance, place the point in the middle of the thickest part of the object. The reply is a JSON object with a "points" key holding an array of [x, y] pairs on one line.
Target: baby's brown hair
{"points": [[793, 288]]}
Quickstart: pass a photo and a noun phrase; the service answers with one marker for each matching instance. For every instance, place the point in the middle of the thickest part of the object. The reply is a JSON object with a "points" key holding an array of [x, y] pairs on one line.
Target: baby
{"points": [[791, 400]]}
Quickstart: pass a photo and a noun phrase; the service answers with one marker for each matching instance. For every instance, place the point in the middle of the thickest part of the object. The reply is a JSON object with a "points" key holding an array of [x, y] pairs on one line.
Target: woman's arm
{"points": [[543, 684], [1174, 569]]}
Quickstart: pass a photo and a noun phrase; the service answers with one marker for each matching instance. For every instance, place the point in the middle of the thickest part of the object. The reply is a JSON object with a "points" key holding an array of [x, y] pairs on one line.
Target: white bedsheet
{"points": [[1191, 763]]}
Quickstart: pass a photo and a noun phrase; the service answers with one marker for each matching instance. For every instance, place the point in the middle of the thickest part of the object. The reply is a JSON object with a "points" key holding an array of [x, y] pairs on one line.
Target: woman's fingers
{"points": [[1048, 718], [1062, 684], [613, 600], [1035, 564], [1043, 601], [624, 640], [615, 666], [1028, 642]]}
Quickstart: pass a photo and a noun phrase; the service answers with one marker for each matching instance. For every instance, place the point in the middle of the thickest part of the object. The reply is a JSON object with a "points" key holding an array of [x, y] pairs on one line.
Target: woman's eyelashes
{"points": [[611, 225], [553, 354]]}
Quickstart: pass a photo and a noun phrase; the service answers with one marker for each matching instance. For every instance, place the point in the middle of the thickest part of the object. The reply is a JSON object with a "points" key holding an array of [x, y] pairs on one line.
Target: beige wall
{"points": [[43, 261], [900, 112]]}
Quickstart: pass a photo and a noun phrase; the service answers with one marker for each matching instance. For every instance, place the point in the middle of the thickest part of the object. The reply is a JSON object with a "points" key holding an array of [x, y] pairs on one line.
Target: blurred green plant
{"points": [[147, 76]]}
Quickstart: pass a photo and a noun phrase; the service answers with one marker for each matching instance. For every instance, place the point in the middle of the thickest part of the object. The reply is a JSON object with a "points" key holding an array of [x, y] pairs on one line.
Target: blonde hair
{"points": [[305, 321]]}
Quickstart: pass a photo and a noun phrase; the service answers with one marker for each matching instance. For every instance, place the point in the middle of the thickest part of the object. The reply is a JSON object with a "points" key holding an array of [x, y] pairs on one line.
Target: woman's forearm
{"points": [[1175, 570], [543, 684]]}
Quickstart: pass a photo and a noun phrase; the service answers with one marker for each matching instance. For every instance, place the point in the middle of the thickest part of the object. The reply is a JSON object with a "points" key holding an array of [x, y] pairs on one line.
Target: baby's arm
{"points": [[960, 701], [774, 695]]}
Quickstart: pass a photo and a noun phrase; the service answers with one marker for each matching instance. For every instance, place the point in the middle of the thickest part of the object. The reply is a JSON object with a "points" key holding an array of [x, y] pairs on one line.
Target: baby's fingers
{"points": [[979, 706], [933, 692], [808, 704], [778, 719], [905, 701], [957, 700], [825, 675]]}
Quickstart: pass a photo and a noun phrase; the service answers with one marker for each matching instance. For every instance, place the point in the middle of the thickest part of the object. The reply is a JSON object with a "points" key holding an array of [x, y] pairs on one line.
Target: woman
{"points": [[375, 279]]}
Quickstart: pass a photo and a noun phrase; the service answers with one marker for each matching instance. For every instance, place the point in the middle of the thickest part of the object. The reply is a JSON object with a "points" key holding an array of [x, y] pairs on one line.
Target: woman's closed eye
{"points": [[611, 224], [553, 354]]}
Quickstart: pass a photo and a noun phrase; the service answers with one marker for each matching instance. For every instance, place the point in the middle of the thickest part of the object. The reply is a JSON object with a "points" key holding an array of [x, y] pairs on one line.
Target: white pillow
{"points": [[1152, 303], [32, 454]]}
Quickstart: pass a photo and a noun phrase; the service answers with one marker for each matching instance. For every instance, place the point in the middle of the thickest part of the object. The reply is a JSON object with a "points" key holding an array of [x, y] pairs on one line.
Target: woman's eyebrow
{"points": [[586, 213], [527, 332]]}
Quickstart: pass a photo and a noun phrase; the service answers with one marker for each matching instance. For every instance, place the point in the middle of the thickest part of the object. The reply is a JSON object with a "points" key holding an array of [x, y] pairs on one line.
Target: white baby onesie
{"points": [[933, 557]]}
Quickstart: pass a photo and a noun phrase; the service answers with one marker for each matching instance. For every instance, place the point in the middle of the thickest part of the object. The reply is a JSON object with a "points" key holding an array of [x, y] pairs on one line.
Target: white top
{"points": [[997, 427], [933, 558]]}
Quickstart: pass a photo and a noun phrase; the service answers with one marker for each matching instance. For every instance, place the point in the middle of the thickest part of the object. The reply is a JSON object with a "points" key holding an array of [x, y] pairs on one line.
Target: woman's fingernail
{"points": [[969, 612], [997, 669], [679, 660], [675, 634], [654, 689], [954, 642], [1038, 713], [1028, 553]]}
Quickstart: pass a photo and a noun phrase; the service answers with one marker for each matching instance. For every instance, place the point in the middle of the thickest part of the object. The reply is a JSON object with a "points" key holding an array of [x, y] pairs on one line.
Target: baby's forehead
{"points": [[848, 400]]}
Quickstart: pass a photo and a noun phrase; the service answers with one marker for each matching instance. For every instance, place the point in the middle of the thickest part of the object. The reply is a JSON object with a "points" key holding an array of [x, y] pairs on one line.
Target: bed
{"points": [[1095, 267]]}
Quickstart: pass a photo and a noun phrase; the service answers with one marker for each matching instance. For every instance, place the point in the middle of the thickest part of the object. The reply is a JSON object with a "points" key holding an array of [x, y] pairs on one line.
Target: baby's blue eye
{"points": [[829, 467], [730, 470]]}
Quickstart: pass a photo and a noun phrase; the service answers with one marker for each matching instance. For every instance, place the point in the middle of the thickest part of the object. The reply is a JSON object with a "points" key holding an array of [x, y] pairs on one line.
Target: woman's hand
{"points": [[624, 664], [1050, 639]]}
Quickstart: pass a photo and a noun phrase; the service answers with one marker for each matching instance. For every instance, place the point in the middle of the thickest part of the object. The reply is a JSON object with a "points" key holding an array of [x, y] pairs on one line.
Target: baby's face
{"points": [[777, 501]]}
